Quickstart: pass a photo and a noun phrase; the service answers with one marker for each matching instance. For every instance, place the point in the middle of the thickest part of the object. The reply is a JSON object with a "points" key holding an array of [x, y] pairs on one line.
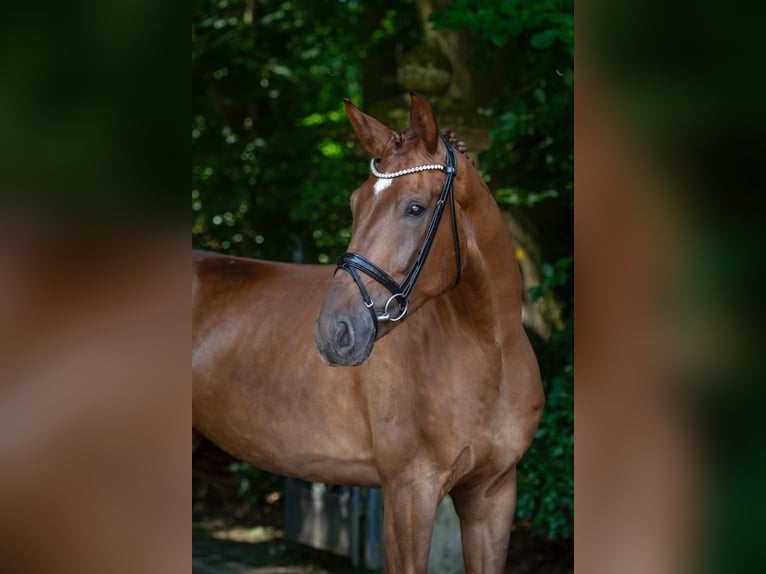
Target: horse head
{"points": [[405, 246]]}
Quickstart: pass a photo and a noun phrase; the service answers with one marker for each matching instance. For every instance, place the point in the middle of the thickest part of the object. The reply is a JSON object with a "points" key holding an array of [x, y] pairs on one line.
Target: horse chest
{"points": [[453, 405]]}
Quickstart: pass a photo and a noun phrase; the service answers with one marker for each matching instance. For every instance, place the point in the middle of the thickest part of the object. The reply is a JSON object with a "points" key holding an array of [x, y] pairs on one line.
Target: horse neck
{"points": [[490, 286]]}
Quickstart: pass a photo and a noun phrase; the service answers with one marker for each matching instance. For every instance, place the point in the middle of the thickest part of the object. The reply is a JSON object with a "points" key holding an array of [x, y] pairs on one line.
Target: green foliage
{"points": [[270, 147], [546, 473], [499, 21], [515, 196], [556, 275], [273, 156], [532, 134]]}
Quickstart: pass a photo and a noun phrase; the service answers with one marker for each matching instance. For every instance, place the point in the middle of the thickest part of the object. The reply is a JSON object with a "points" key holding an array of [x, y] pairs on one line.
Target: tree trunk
{"points": [[454, 45]]}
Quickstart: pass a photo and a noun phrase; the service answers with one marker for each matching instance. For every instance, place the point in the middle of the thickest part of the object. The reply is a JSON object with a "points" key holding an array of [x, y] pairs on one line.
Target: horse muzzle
{"points": [[344, 339]]}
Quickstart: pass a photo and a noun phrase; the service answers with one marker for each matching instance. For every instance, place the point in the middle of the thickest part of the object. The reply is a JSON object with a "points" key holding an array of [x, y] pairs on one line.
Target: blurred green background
{"points": [[274, 159]]}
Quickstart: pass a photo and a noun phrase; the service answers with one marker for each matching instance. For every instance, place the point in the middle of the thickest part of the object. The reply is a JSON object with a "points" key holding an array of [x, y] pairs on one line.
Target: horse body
{"points": [[260, 390], [446, 404]]}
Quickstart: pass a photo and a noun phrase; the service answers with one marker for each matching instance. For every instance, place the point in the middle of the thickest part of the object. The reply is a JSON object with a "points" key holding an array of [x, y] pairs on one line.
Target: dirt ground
{"points": [[263, 550]]}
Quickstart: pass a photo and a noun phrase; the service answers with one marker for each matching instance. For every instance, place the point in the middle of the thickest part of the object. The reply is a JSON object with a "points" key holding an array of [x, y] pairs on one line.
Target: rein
{"points": [[400, 292]]}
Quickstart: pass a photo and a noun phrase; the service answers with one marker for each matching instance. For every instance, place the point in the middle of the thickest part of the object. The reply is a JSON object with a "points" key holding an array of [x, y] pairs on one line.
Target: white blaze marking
{"points": [[381, 184]]}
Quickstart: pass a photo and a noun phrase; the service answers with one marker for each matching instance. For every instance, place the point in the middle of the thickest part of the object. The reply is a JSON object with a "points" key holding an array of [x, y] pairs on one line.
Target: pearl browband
{"points": [[409, 170]]}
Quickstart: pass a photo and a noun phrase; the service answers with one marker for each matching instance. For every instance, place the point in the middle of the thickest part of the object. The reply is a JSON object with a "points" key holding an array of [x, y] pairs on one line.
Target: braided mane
{"points": [[459, 145]]}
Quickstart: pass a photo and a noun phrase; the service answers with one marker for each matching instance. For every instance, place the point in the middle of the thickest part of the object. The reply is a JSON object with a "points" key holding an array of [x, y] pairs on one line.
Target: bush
{"points": [[546, 473]]}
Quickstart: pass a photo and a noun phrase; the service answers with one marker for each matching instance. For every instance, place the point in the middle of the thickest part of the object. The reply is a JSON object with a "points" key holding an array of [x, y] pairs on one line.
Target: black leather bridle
{"points": [[400, 292]]}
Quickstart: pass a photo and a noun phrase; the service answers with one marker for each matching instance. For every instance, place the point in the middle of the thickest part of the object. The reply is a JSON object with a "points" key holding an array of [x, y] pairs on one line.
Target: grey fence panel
{"points": [[349, 522], [342, 520]]}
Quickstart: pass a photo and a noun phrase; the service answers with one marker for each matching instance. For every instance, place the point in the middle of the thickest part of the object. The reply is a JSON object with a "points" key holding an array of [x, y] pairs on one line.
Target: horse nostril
{"points": [[344, 336]]}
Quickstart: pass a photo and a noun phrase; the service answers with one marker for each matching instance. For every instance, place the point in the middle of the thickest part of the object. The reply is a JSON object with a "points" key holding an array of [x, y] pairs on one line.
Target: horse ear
{"points": [[423, 122], [373, 134]]}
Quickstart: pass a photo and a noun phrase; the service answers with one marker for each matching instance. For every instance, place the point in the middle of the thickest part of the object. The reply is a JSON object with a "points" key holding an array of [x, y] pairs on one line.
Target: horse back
{"points": [[265, 290]]}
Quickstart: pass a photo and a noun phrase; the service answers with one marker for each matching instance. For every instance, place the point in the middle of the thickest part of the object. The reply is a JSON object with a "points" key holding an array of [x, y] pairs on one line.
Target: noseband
{"points": [[400, 292]]}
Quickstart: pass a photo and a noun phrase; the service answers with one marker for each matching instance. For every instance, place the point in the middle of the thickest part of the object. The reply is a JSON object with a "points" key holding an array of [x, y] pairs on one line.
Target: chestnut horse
{"points": [[446, 404]]}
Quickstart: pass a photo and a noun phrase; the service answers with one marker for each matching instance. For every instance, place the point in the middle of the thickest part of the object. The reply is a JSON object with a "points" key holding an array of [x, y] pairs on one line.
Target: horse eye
{"points": [[415, 210]]}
